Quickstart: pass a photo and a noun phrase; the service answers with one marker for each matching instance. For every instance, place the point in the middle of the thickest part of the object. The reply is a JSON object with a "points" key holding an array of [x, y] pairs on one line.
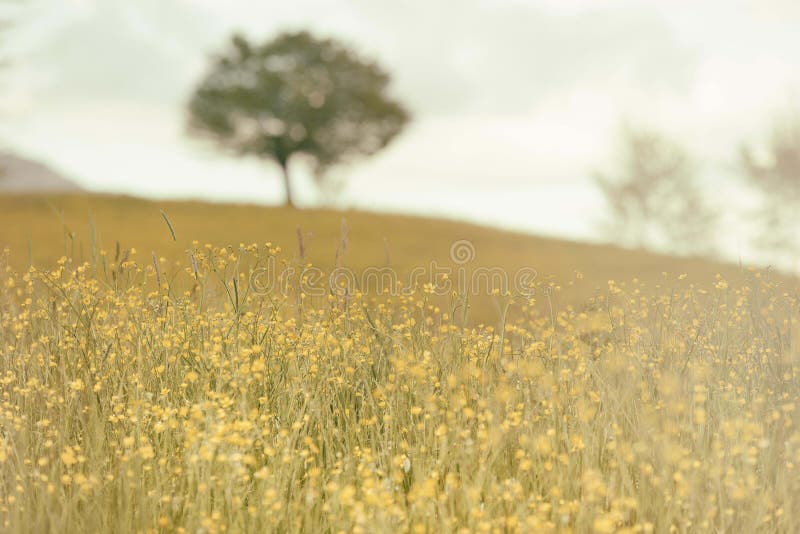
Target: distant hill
{"points": [[22, 175]]}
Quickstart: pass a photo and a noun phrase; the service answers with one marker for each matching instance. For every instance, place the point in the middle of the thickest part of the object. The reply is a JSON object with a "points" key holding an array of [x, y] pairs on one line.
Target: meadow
{"points": [[148, 385], [40, 229]]}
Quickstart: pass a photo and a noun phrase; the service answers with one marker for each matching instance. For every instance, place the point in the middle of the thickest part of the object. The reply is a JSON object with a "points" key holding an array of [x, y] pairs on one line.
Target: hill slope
{"points": [[42, 228], [22, 175], [139, 401]]}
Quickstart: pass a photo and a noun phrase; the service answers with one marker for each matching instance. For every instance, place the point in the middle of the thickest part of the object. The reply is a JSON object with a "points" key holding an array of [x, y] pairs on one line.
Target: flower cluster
{"points": [[157, 395]]}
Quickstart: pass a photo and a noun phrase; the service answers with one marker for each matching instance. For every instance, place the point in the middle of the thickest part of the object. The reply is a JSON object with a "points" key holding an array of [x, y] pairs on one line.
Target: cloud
{"points": [[498, 57], [111, 50], [506, 56]]}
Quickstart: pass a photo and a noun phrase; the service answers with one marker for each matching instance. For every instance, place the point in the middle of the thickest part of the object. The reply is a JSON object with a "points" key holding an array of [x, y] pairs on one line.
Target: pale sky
{"points": [[515, 103]]}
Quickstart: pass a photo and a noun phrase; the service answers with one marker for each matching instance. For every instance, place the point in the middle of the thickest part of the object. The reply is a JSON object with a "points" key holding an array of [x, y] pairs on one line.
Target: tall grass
{"points": [[155, 395]]}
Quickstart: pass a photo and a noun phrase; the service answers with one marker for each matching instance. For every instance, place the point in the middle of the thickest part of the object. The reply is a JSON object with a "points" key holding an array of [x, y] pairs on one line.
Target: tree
{"points": [[296, 94], [654, 200], [775, 172]]}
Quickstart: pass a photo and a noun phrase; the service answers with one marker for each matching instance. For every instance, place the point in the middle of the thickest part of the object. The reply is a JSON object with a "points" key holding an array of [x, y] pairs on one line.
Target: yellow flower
{"points": [[603, 525], [146, 452], [68, 457]]}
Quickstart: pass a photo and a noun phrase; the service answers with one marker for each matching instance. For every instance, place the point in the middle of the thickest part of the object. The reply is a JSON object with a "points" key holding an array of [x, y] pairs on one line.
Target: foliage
{"points": [[296, 94]]}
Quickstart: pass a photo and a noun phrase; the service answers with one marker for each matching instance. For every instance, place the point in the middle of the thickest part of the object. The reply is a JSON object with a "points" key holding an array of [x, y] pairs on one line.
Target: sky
{"points": [[516, 104]]}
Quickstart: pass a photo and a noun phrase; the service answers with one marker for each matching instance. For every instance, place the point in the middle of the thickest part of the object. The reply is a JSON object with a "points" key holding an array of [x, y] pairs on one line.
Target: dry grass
{"points": [[41, 224], [164, 394], [40, 229]]}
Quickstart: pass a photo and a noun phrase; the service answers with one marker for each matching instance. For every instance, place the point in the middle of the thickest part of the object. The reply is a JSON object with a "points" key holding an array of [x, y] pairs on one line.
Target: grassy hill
{"points": [[39, 229], [42, 223], [42, 228], [148, 396]]}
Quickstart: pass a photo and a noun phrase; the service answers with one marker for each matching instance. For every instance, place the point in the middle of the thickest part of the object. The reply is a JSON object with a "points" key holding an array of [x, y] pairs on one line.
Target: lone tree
{"points": [[296, 94], [654, 199], [775, 172]]}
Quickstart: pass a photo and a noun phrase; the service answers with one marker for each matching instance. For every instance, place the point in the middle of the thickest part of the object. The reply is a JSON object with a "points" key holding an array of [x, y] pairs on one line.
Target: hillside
{"points": [[42, 228], [147, 396], [22, 175]]}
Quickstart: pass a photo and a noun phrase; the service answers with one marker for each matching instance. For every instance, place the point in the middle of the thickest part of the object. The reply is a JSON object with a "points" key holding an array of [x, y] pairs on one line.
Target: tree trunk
{"points": [[287, 184]]}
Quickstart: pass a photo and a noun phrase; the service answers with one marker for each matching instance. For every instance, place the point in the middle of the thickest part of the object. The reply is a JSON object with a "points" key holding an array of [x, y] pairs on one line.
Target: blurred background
{"points": [[667, 125]]}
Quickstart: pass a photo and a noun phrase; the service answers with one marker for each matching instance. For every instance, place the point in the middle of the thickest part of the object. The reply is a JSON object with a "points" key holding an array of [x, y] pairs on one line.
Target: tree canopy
{"points": [[296, 94]]}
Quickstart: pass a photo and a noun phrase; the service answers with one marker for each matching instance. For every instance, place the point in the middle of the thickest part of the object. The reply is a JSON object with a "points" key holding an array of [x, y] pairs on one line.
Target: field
{"points": [[151, 383], [41, 229]]}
